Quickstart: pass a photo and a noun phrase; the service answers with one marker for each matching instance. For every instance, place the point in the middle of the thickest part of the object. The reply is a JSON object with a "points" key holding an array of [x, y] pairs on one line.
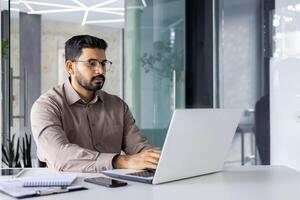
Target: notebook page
{"points": [[49, 180]]}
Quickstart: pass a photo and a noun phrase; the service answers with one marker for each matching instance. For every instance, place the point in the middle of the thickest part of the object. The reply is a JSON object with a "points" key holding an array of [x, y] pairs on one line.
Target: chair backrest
{"points": [[262, 132], [42, 164]]}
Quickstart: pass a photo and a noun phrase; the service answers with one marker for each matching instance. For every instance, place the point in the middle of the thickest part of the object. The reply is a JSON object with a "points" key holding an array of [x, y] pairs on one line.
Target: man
{"points": [[79, 127]]}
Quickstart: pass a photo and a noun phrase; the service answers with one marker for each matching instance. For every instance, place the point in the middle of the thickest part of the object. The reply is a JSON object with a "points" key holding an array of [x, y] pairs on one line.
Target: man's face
{"points": [[90, 78]]}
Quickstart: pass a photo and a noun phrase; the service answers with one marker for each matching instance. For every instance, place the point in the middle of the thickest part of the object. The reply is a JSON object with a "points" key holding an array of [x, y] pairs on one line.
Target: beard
{"points": [[95, 84]]}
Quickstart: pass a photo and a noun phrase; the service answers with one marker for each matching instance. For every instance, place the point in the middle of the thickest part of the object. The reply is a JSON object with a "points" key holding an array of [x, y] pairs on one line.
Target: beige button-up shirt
{"points": [[72, 135]]}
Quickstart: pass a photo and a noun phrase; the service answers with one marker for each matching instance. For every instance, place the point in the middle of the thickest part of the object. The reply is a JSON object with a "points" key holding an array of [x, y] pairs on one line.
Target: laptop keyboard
{"points": [[148, 173]]}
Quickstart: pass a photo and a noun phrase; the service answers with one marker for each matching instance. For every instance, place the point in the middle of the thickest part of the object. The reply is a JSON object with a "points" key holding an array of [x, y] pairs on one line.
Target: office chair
{"points": [[262, 133], [41, 163]]}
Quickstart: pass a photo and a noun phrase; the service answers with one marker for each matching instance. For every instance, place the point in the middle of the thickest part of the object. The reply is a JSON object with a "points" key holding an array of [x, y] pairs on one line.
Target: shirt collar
{"points": [[72, 96]]}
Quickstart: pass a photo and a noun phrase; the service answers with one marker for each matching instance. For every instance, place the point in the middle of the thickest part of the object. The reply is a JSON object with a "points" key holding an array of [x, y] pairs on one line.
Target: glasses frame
{"points": [[102, 63]]}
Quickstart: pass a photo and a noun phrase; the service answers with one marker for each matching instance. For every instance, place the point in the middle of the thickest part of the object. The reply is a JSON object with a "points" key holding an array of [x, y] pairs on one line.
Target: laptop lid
{"points": [[197, 143]]}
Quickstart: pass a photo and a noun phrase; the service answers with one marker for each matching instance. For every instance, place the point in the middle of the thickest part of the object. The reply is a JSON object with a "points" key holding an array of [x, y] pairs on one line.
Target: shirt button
{"points": [[104, 168]]}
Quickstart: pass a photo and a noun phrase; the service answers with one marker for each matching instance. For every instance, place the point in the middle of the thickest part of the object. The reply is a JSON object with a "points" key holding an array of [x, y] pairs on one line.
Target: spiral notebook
{"points": [[14, 188], [61, 180]]}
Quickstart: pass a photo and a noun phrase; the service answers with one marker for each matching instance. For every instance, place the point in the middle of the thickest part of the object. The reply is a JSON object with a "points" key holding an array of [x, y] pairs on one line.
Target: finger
{"points": [[150, 165], [152, 160], [154, 150], [154, 155]]}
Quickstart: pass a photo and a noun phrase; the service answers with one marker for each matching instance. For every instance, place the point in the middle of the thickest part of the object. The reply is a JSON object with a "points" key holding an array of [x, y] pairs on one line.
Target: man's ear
{"points": [[70, 67]]}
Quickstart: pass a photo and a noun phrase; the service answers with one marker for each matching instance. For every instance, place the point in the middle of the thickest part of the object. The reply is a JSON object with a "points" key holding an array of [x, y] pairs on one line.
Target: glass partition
{"points": [[243, 66], [155, 63]]}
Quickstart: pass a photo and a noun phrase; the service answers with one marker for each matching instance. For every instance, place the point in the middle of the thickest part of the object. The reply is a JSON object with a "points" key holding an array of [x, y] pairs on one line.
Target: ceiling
{"points": [[97, 12]]}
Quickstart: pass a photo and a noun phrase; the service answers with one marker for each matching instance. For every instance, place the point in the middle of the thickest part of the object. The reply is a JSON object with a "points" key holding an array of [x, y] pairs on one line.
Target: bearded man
{"points": [[79, 127]]}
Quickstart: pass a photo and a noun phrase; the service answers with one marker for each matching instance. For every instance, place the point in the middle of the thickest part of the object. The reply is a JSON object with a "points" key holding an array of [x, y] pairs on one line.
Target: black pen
{"points": [[59, 190]]}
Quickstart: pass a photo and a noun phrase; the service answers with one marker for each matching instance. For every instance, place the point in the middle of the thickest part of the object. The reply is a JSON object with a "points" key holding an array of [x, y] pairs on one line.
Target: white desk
{"points": [[241, 183]]}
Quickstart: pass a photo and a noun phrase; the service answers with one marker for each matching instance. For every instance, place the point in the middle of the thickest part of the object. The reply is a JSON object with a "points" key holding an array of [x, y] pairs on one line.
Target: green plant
{"points": [[163, 61], [14, 155], [26, 150], [10, 153], [4, 48]]}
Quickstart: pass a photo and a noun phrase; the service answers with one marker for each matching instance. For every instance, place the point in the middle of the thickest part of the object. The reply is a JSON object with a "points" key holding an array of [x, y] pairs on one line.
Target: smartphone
{"points": [[108, 182]]}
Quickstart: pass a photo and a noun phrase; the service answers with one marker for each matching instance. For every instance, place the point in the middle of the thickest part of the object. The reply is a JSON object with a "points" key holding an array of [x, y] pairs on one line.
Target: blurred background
{"points": [[166, 54]]}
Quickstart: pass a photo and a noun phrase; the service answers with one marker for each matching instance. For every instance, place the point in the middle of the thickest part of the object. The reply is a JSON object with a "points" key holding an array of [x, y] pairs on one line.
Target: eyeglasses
{"points": [[93, 64]]}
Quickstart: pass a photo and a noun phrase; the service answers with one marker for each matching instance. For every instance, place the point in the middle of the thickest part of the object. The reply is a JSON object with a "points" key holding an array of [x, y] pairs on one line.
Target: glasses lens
{"points": [[93, 63], [106, 64]]}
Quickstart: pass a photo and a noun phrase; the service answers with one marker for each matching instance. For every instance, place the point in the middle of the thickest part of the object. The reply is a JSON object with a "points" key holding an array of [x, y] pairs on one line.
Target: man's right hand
{"points": [[145, 159]]}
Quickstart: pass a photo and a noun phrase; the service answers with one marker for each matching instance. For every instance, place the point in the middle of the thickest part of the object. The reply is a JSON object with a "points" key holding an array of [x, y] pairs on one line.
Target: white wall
{"points": [[285, 86], [285, 112]]}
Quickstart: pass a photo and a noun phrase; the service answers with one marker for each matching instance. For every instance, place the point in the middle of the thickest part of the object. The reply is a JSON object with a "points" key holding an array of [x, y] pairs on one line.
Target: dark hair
{"points": [[74, 45]]}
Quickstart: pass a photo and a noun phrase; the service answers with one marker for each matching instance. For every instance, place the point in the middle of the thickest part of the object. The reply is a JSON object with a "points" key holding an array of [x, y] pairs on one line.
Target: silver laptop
{"points": [[197, 143]]}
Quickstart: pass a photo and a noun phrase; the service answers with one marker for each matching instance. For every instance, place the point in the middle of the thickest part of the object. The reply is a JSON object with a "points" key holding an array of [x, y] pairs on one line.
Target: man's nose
{"points": [[99, 69]]}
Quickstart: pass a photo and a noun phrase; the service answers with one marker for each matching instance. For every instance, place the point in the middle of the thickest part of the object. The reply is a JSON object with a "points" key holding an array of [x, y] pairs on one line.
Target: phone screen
{"points": [[108, 182]]}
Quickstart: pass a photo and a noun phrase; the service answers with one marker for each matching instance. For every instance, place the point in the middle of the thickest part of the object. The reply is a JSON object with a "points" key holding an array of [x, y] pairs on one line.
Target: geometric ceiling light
{"points": [[78, 7]]}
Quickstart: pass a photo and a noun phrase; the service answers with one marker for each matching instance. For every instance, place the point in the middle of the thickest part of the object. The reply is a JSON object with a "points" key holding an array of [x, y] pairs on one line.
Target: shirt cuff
{"points": [[104, 161]]}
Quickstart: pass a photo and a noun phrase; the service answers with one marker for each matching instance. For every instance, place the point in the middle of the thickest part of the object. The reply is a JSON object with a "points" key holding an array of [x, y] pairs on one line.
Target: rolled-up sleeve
{"points": [[54, 147]]}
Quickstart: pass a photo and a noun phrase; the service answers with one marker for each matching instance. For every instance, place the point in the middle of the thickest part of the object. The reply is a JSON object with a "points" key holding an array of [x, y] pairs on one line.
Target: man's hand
{"points": [[145, 159]]}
